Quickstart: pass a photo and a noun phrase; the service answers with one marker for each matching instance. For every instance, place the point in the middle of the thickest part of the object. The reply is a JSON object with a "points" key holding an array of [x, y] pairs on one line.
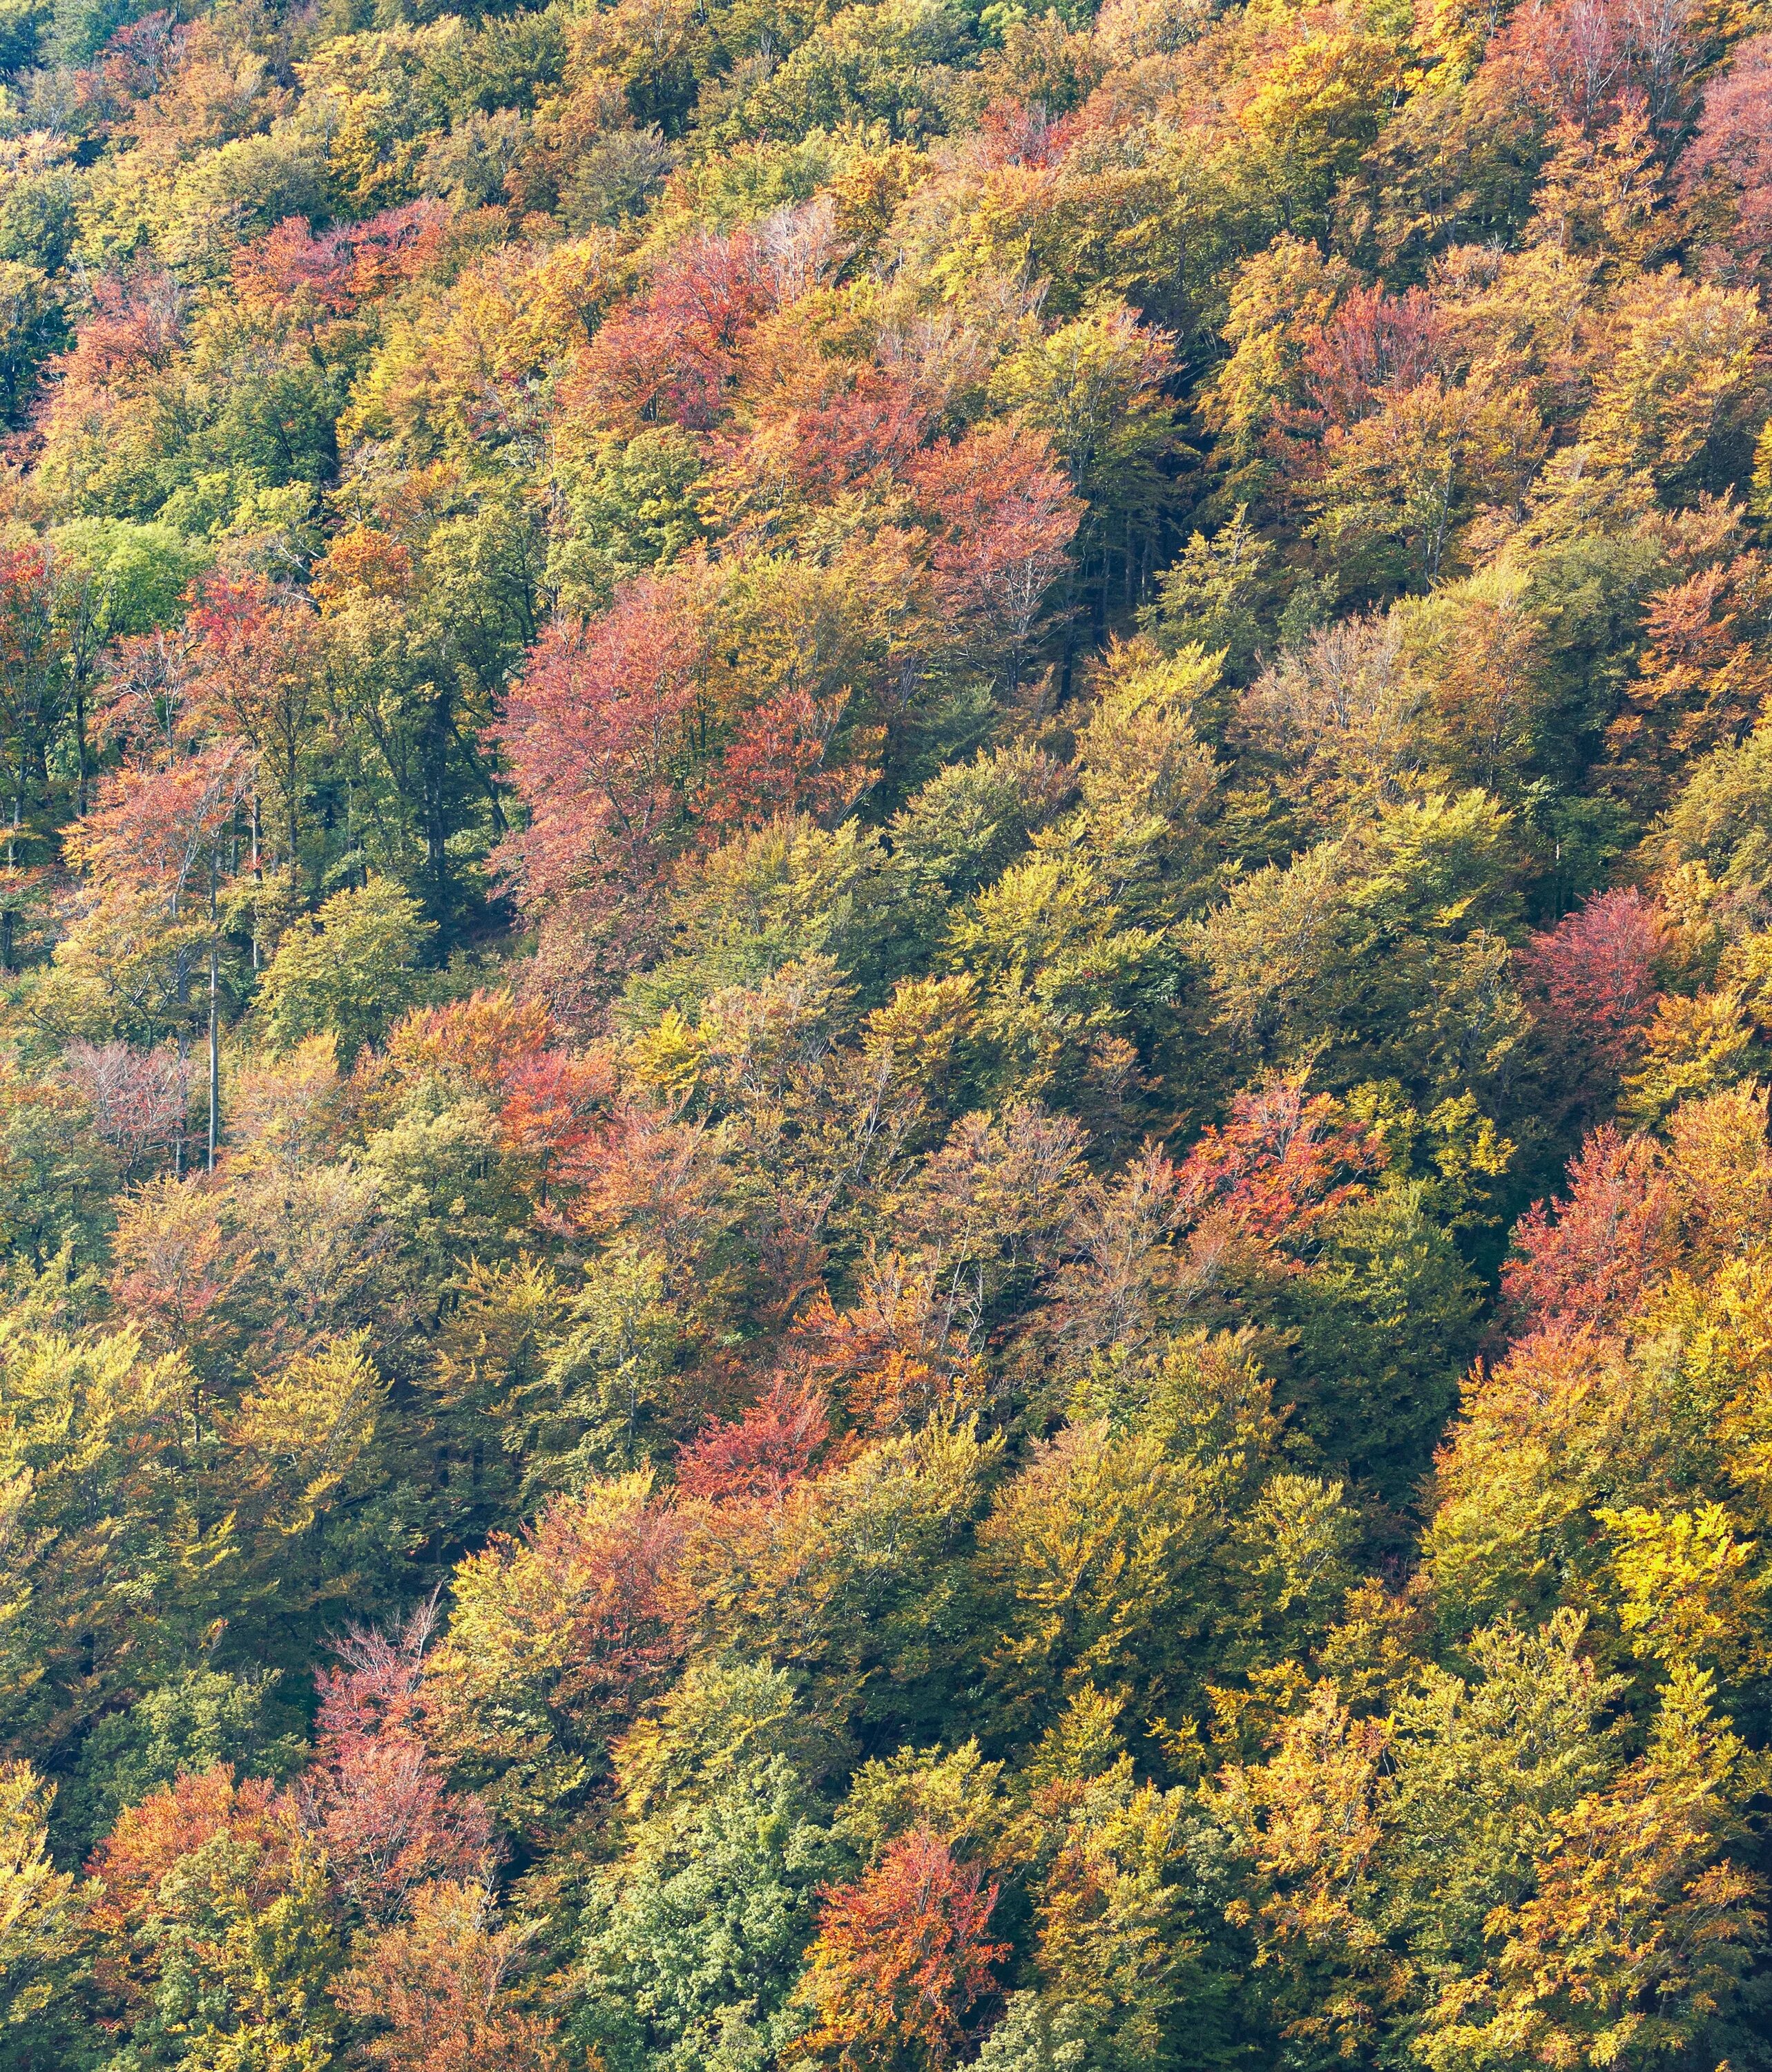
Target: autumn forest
{"points": [[885, 999]]}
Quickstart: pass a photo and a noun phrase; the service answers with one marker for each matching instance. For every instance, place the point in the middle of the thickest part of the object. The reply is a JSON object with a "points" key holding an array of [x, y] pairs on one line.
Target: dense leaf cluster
{"points": [[886, 966]]}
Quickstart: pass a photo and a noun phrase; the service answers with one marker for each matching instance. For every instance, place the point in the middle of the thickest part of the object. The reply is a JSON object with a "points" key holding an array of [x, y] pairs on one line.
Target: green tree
{"points": [[351, 972]]}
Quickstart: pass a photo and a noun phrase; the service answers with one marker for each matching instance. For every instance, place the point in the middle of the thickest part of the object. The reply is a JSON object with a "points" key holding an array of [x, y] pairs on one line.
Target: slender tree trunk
{"points": [[8, 919], [258, 877], [214, 1028], [184, 1082], [80, 753]]}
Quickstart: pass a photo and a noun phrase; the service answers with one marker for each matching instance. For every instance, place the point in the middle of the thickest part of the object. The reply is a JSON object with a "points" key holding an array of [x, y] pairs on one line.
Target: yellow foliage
{"points": [[1686, 1596]]}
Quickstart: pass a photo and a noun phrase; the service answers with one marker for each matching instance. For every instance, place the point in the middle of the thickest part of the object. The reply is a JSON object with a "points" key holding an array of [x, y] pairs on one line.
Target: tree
{"points": [[1590, 983], [1004, 519], [701, 1935], [214, 1919], [158, 846], [901, 1962], [1637, 1936], [435, 1993], [34, 689], [257, 677], [39, 1926], [1096, 388], [373, 1798], [348, 974], [597, 731], [556, 1642], [1609, 1241]]}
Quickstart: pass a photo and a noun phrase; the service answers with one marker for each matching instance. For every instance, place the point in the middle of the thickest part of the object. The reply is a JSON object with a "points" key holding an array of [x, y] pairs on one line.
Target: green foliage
{"points": [[201, 1718], [1390, 943], [349, 973], [693, 1946]]}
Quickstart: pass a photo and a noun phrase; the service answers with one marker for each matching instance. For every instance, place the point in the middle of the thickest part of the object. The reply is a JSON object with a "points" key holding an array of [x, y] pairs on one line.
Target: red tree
{"points": [[826, 428], [257, 674], [1591, 981], [1375, 343], [134, 1865], [1282, 1163], [1589, 1260], [1584, 59], [1702, 680], [902, 1960], [1003, 515], [550, 1098], [136, 323], [775, 763], [373, 1797], [138, 1097], [146, 697], [675, 353], [1731, 155], [761, 1456], [435, 1991], [171, 1261], [158, 831], [598, 733]]}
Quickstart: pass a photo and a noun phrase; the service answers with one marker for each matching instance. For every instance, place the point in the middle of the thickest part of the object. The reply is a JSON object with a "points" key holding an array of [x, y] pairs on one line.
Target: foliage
{"points": [[885, 992]]}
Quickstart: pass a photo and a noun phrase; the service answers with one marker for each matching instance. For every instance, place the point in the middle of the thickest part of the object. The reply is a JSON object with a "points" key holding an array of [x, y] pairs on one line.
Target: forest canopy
{"points": [[885, 998]]}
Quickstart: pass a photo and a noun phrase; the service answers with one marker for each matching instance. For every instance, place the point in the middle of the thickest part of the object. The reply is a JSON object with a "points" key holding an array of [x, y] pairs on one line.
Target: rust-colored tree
{"points": [[903, 1966]]}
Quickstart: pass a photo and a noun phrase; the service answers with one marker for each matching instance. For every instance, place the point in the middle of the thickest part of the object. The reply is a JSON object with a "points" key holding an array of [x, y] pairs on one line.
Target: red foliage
{"points": [[592, 1597], [1375, 344], [1003, 514], [480, 1042], [435, 1993], [241, 623], [901, 1352], [597, 736], [830, 429], [1584, 59], [146, 696], [1703, 680], [170, 1258], [1589, 1260], [373, 1797], [775, 764], [138, 1097], [675, 353], [136, 323], [1591, 979], [256, 670], [1733, 150], [177, 1820], [1012, 133], [626, 1610], [761, 1456], [291, 271], [133, 1864], [154, 830], [1277, 1168], [901, 1960], [399, 244], [289, 268], [142, 55], [551, 1107], [380, 1689], [509, 1050], [29, 651]]}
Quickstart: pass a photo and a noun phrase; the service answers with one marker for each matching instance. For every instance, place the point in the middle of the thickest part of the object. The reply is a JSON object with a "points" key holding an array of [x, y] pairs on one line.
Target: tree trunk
{"points": [[215, 1027]]}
